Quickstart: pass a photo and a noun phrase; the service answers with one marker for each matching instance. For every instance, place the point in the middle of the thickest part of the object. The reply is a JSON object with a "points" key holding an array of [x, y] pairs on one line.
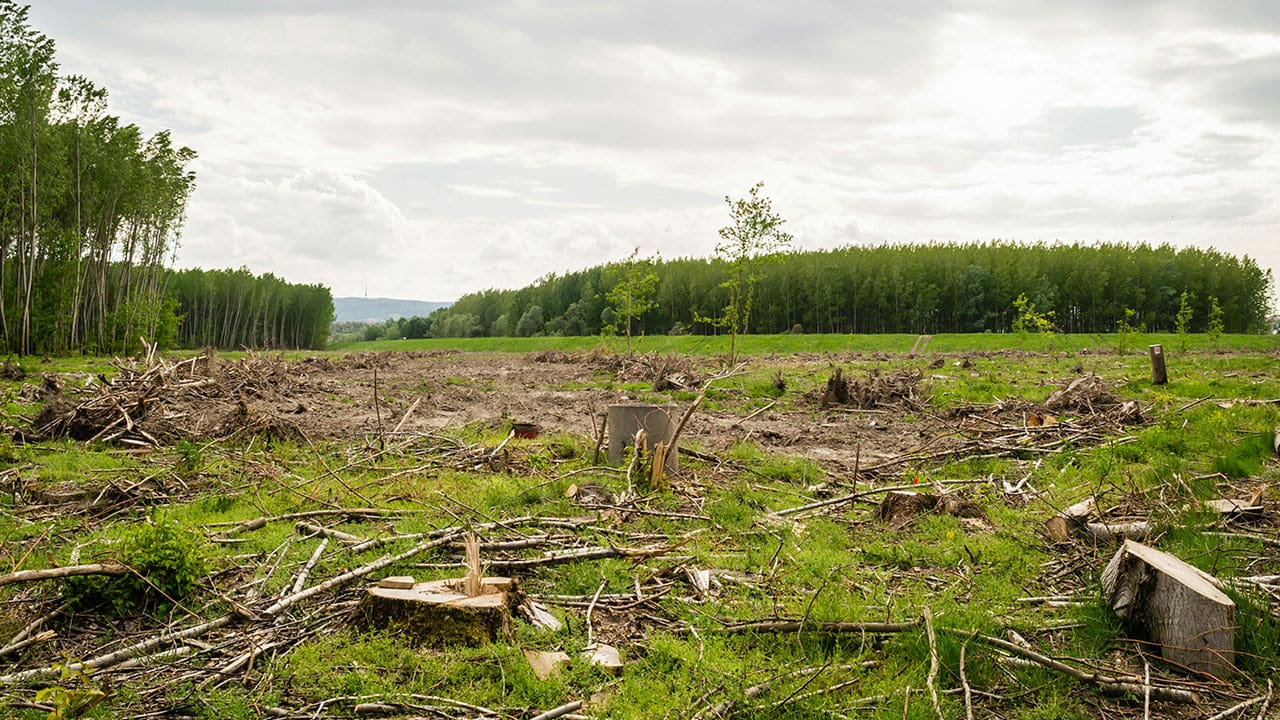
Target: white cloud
{"points": [[428, 150]]}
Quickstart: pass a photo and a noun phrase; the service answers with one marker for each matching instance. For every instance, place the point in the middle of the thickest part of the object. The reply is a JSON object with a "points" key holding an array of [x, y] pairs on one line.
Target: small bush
{"points": [[166, 563]]}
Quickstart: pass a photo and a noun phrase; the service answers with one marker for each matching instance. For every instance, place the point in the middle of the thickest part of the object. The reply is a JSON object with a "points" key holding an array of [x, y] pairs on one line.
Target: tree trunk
{"points": [[1174, 604]]}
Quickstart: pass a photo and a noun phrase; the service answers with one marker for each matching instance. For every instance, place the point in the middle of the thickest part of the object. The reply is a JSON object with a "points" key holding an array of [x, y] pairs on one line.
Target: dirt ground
{"points": [[319, 398]]}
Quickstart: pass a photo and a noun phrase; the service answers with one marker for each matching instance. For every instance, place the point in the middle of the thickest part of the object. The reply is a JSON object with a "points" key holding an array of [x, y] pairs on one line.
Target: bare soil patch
{"points": [[876, 422]]}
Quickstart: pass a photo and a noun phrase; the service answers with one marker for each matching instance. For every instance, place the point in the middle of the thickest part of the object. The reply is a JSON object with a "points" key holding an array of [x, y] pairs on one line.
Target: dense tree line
{"points": [[234, 308], [90, 208], [91, 212], [898, 288], [411, 328]]}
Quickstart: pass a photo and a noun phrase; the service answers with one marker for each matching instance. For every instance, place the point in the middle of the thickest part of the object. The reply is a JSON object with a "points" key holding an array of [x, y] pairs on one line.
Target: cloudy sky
{"points": [[426, 149]]}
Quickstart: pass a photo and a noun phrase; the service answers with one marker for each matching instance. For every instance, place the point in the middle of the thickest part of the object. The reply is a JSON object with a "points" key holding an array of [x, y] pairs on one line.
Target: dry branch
{"points": [[23, 576], [1110, 684]]}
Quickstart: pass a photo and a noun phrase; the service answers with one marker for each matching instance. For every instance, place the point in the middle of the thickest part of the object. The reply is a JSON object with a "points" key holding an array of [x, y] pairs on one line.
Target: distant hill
{"points": [[359, 309]]}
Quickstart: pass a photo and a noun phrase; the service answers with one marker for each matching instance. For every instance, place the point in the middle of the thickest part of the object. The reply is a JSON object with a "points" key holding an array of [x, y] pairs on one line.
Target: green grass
{"points": [[830, 343], [843, 565]]}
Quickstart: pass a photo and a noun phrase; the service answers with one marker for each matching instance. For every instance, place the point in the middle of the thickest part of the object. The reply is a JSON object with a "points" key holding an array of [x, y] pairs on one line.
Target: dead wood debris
{"points": [[900, 508], [152, 402], [1091, 394], [898, 390], [233, 646]]}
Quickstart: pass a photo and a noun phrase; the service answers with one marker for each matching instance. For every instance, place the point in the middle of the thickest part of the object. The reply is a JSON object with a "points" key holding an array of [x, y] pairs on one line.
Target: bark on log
{"points": [[624, 421], [1174, 604], [1159, 374], [22, 576], [1106, 532], [1059, 527]]}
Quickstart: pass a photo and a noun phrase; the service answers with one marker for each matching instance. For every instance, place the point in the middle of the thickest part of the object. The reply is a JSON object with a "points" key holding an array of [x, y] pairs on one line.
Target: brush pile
{"points": [[899, 390], [152, 402]]}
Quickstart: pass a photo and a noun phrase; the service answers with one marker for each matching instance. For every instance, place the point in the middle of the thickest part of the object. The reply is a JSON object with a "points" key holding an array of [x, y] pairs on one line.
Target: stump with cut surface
{"points": [[440, 612], [1176, 605], [626, 421]]}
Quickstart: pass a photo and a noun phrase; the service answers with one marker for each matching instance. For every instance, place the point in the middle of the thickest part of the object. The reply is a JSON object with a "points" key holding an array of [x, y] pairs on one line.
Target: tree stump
{"points": [[1175, 605], [440, 613], [625, 421], [1159, 375]]}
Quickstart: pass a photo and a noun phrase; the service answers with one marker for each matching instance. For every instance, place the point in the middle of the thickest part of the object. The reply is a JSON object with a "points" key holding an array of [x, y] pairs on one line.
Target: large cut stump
{"points": [[440, 612], [1177, 606], [627, 421]]}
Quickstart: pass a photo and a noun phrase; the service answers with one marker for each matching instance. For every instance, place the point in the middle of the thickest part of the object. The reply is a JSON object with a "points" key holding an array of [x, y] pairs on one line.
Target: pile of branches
{"points": [[662, 372], [152, 402], [900, 390], [318, 597], [1090, 394]]}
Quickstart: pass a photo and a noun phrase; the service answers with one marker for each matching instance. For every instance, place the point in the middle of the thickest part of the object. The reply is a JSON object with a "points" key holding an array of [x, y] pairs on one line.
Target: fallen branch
{"points": [[23, 576], [559, 711], [932, 680], [1115, 685]]}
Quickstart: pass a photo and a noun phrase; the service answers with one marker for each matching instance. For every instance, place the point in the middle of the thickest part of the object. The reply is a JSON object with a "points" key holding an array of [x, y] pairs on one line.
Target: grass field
{"points": [[677, 565], [789, 344]]}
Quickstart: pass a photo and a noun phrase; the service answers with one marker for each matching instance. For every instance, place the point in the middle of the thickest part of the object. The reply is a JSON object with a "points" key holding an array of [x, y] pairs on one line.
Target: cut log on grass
{"points": [[605, 657], [1175, 605], [625, 421], [439, 613], [1106, 532], [1060, 526]]}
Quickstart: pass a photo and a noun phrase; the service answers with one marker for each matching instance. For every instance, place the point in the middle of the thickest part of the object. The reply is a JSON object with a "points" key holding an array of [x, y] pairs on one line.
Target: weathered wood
{"points": [[397, 582], [606, 657], [439, 612], [1175, 605], [546, 664], [625, 421], [1060, 526], [899, 508], [1236, 508], [1159, 375], [22, 576], [1106, 532]]}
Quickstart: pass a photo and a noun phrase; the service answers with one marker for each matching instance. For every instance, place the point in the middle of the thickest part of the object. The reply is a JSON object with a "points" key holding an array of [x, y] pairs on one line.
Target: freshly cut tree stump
{"points": [[440, 613], [1060, 526], [625, 421], [1176, 605]]}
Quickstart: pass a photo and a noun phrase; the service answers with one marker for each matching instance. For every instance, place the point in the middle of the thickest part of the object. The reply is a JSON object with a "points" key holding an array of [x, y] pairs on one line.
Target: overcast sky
{"points": [[428, 149]]}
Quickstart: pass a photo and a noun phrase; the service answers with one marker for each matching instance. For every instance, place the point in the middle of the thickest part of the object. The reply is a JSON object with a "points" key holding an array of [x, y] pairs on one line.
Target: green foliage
{"points": [[754, 235], [190, 457], [632, 295], [1246, 457], [235, 308], [74, 695], [166, 562], [1182, 322], [935, 288], [530, 322], [1026, 319], [1215, 324], [92, 210], [1257, 633], [1127, 331]]}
